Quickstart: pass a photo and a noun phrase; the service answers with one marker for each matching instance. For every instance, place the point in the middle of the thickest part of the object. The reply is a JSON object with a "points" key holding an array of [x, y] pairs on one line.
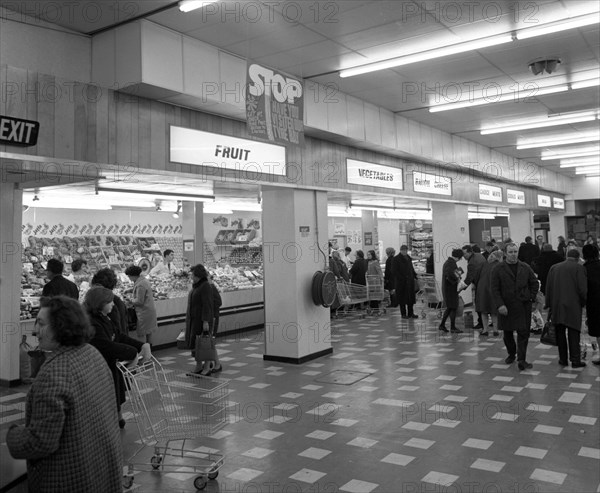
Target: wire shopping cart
{"points": [[375, 292], [429, 294], [174, 406], [350, 294]]}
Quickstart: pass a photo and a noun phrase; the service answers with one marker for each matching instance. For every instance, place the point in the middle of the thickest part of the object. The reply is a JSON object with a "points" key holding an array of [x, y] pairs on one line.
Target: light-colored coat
{"points": [[566, 293], [71, 438], [143, 301]]}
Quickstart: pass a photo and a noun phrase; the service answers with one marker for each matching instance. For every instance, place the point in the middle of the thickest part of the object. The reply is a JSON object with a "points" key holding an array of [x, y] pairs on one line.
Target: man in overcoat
{"points": [[566, 292], [475, 261], [514, 288], [404, 282]]}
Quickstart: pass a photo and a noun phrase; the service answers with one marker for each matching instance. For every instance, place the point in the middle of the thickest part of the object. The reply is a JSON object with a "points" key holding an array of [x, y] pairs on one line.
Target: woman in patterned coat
{"points": [[70, 438]]}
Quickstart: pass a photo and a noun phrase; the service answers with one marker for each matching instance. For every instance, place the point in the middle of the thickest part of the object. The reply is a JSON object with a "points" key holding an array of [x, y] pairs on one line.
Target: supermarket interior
{"points": [[131, 128]]}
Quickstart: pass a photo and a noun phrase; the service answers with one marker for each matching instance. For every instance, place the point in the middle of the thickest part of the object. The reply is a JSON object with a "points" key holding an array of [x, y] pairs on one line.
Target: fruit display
{"points": [[245, 256], [228, 278]]}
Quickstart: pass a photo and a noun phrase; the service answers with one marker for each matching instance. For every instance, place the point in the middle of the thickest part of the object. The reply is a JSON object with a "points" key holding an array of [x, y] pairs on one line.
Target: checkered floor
{"points": [[433, 413]]}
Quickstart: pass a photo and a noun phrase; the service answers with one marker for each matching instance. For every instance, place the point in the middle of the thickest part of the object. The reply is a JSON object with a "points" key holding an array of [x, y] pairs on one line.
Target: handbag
{"points": [[548, 336], [205, 348]]}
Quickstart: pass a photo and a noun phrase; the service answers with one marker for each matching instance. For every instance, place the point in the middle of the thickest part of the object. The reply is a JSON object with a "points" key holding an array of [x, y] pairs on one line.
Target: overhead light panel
{"points": [[549, 155], [160, 195], [189, 5], [546, 141], [547, 121], [580, 160], [562, 25], [452, 49]]}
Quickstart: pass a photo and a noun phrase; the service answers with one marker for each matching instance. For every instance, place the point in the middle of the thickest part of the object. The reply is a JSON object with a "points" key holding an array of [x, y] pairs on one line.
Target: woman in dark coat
{"points": [[450, 280], [200, 314], [388, 276], [98, 304], [338, 267], [358, 271], [592, 267], [404, 276]]}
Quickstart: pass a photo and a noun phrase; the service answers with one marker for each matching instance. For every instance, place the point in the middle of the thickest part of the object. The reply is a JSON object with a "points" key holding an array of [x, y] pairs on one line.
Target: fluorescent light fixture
{"points": [[480, 215], [368, 205], [189, 5], [562, 25], [405, 214], [507, 95], [587, 171], [591, 175], [161, 195], [216, 209], [585, 83], [575, 153], [580, 160], [453, 49], [542, 141], [547, 121], [337, 211]]}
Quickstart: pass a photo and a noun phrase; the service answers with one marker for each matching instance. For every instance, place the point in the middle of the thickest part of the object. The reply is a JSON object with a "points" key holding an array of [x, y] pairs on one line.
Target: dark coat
{"points": [[566, 293], [485, 301], [450, 280], [542, 266], [528, 252], [71, 438], [112, 351], [404, 276], [358, 272], [59, 285], [200, 308], [118, 315], [388, 277], [561, 249], [516, 293], [339, 269], [593, 297], [474, 265]]}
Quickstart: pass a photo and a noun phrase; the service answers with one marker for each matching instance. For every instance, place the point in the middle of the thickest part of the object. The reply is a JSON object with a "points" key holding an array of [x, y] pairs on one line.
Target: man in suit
{"points": [[58, 284], [475, 261], [528, 251]]}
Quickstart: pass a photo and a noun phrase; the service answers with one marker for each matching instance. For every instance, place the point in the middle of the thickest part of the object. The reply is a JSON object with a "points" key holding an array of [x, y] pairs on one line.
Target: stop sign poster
{"points": [[274, 105]]}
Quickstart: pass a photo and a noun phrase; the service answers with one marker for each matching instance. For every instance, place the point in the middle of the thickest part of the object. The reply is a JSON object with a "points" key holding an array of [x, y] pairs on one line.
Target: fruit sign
{"points": [[274, 105]]}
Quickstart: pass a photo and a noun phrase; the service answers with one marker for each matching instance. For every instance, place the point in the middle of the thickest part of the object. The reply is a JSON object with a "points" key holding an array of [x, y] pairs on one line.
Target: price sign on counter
{"points": [[28, 267], [248, 274]]}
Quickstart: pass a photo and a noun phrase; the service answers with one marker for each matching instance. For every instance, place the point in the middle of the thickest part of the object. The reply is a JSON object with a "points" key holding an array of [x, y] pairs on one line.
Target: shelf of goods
{"points": [[240, 286], [421, 243]]}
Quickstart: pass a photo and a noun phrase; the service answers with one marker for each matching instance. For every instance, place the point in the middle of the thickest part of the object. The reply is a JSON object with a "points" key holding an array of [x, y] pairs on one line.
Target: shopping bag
{"points": [[205, 348], [548, 336], [461, 307]]}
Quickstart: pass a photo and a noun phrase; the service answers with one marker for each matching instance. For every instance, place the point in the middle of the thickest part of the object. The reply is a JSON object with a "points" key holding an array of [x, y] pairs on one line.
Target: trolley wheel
{"points": [[127, 482], [200, 482], [156, 461], [213, 475]]}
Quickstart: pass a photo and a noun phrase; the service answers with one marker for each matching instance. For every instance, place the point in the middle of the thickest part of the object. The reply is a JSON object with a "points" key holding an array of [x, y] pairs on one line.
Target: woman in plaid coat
{"points": [[71, 437]]}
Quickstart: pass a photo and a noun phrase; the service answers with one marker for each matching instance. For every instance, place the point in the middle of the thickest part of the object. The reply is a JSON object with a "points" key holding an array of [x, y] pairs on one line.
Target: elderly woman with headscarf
{"points": [[98, 304], [484, 288]]}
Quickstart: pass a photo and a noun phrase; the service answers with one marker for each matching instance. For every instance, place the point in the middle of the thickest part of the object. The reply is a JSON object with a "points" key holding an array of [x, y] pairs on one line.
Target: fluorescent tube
{"points": [[562, 25]]}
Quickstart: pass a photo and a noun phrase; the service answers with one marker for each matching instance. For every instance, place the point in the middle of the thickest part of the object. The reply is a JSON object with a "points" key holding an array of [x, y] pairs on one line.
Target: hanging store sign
{"points": [[544, 201], [424, 182], [487, 192], [199, 148], [274, 105], [515, 197], [558, 203], [374, 175], [18, 132]]}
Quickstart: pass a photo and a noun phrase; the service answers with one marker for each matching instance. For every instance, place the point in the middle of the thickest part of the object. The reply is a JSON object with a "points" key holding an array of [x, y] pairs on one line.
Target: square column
{"points": [[192, 220], [295, 247], [558, 228], [11, 219], [521, 225], [450, 231]]}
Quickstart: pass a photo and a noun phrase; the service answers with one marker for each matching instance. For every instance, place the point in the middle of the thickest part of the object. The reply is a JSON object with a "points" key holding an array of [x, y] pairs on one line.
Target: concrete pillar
{"points": [[450, 231], [370, 232], [295, 247], [520, 223], [11, 219], [558, 227], [192, 221]]}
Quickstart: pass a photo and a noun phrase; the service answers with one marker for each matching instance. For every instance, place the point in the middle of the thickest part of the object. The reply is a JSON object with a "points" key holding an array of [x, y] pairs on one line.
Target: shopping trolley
{"points": [[174, 406], [350, 294], [375, 292], [428, 295]]}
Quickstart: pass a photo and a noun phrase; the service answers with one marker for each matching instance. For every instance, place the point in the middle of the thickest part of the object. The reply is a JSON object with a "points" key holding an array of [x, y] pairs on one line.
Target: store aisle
{"points": [[427, 413]]}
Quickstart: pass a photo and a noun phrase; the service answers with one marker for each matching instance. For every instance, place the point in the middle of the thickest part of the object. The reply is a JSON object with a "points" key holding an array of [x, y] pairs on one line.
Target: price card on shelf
{"points": [[248, 274], [68, 259], [112, 259], [242, 238], [48, 250], [28, 267], [256, 274]]}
